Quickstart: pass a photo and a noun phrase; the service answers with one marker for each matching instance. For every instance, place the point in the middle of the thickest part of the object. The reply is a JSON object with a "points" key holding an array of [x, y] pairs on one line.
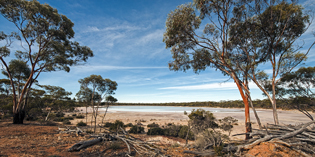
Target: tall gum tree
{"points": [[269, 36], [98, 88], [211, 48], [47, 36]]}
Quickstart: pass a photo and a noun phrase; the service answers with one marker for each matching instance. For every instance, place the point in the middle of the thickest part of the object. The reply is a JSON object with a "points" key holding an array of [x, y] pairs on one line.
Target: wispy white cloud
{"points": [[217, 86], [109, 67], [124, 27]]}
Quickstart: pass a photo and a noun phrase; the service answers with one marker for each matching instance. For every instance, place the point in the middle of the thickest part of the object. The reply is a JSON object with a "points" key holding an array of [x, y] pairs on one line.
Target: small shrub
{"points": [[59, 119], [80, 116], [66, 122], [129, 125], [60, 114], [172, 130], [136, 129], [153, 125], [116, 125], [108, 124], [183, 133], [81, 123], [155, 131], [34, 113], [68, 118], [218, 150], [73, 115]]}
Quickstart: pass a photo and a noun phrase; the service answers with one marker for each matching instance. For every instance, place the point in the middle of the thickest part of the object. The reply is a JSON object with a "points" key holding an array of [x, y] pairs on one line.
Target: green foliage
{"points": [[74, 115], [135, 129], [80, 116], [155, 131], [172, 130], [183, 133], [66, 122], [81, 123], [116, 125], [210, 137], [59, 119], [153, 125], [129, 125], [68, 118], [60, 114], [201, 120], [34, 114], [227, 123], [108, 124], [49, 45], [218, 150]]}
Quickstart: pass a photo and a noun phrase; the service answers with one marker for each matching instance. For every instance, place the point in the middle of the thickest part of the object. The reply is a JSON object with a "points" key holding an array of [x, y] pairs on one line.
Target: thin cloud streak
{"points": [[217, 86], [109, 67]]}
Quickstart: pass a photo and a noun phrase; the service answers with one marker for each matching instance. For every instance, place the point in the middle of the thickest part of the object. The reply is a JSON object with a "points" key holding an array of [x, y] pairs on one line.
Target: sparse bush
{"points": [[68, 118], [201, 120], [116, 125], [227, 123], [59, 119], [80, 116], [172, 130], [136, 129], [210, 137], [81, 123], [66, 122], [108, 124], [183, 133], [73, 115], [155, 131], [153, 125], [34, 113], [129, 125], [60, 114]]}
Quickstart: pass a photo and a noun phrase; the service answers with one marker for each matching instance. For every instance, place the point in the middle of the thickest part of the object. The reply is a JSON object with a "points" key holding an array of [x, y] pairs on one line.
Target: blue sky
{"points": [[126, 38]]}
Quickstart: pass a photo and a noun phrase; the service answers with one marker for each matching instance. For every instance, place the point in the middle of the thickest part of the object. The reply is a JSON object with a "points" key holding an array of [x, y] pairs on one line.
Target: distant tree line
{"points": [[285, 103]]}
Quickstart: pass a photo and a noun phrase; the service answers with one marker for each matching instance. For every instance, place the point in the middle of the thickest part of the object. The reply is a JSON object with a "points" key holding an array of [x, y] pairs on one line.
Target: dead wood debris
{"points": [[300, 138], [142, 148]]}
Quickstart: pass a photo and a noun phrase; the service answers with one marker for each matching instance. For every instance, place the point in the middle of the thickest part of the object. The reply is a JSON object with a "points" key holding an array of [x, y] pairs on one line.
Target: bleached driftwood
{"points": [[141, 147], [299, 138]]}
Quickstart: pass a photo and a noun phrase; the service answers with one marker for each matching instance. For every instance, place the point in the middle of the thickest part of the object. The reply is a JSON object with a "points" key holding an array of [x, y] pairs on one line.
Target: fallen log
{"points": [[84, 144]]}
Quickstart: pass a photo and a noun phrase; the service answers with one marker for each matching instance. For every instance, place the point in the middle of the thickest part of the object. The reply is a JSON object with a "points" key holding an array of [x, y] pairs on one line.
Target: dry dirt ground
{"points": [[32, 139]]}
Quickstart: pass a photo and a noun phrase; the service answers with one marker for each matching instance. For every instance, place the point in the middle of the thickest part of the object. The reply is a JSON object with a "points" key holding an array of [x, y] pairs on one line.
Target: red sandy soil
{"points": [[31, 139]]}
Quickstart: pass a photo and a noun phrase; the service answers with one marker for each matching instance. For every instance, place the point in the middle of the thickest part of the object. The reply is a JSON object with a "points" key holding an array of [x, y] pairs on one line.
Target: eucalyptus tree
{"points": [[19, 73], [109, 100], [210, 48], [46, 44], [98, 87], [5, 86], [84, 95], [300, 85], [55, 97], [269, 35]]}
